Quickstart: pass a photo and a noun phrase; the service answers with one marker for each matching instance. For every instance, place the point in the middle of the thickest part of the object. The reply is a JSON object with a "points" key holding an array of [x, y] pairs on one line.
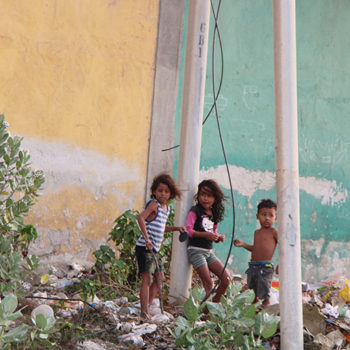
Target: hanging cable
{"points": [[216, 94], [221, 78]]}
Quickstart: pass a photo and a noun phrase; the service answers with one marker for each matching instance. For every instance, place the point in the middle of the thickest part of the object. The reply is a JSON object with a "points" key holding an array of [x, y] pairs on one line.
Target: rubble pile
{"points": [[116, 324], [326, 314]]}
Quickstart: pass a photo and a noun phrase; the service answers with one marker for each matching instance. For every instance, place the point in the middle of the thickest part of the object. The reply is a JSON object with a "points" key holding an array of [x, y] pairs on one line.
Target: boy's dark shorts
{"points": [[146, 261], [259, 278]]}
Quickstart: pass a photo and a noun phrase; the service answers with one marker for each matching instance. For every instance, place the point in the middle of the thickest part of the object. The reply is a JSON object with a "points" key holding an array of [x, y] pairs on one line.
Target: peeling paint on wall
{"points": [[68, 165], [246, 182], [83, 194], [331, 258]]}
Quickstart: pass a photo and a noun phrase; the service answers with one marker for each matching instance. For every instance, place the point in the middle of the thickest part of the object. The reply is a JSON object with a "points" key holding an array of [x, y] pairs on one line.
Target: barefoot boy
{"points": [[260, 271]]}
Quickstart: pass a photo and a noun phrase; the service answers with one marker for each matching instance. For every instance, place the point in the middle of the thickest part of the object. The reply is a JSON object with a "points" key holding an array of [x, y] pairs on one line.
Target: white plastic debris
{"points": [[236, 277], [155, 303], [110, 304], [76, 266], [274, 296], [160, 318], [94, 301], [43, 309], [126, 310], [52, 279], [145, 328], [132, 339], [331, 310], [27, 286], [120, 301], [62, 283], [126, 327], [64, 313]]}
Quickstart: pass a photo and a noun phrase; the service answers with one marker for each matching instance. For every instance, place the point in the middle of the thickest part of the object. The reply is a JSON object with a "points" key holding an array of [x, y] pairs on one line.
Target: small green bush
{"points": [[19, 190], [23, 336], [124, 234], [234, 323]]}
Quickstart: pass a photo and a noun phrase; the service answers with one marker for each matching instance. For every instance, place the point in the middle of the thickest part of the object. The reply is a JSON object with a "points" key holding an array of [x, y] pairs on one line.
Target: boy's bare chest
{"points": [[264, 237]]}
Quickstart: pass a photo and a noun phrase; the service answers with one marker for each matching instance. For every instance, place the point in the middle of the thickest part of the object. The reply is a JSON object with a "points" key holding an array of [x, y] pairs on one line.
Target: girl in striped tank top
{"points": [[152, 222]]}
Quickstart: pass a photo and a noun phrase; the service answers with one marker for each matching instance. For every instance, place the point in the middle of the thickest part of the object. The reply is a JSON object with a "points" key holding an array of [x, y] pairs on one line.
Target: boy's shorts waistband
{"points": [[265, 263]]}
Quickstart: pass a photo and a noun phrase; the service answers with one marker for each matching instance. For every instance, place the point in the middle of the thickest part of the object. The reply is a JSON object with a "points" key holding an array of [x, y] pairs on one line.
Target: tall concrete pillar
{"points": [[191, 136], [287, 175]]}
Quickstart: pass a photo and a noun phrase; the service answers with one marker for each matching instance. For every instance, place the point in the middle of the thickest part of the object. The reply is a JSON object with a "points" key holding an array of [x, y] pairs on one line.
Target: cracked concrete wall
{"points": [[76, 81]]}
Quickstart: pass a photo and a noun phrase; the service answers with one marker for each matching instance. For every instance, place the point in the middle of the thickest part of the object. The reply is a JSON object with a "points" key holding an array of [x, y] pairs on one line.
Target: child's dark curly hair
{"points": [[267, 203], [166, 179], [218, 207]]}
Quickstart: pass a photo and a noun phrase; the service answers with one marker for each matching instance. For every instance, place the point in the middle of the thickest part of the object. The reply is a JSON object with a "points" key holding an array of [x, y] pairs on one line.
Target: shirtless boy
{"points": [[260, 271]]}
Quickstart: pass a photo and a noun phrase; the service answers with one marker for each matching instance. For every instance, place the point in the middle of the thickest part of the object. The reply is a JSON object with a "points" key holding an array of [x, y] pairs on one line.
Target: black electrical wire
{"points": [[221, 78], [216, 31], [59, 299]]}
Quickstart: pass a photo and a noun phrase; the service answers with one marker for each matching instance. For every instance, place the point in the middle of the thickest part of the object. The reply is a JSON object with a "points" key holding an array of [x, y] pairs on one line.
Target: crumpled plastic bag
{"points": [[345, 292], [331, 310]]}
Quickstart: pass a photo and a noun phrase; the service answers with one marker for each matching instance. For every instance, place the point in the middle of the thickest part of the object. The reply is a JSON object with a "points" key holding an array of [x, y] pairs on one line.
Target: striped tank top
{"points": [[155, 228]]}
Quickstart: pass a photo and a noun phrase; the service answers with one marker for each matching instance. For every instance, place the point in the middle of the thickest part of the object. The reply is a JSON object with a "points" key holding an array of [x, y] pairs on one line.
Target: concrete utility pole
{"points": [[287, 175], [191, 137]]}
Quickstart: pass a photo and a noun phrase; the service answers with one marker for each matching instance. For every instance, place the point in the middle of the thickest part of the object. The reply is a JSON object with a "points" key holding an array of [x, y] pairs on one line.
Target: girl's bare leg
{"points": [[216, 267], [145, 292], [204, 275], [153, 290]]}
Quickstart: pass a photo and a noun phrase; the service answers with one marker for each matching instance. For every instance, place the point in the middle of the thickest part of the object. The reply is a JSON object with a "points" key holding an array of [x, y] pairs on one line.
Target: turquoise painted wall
{"points": [[246, 114]]}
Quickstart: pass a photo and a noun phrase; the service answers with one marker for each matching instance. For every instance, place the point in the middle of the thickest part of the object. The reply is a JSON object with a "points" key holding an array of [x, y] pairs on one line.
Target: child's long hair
{"points": [[166, 179], [218, 208]]}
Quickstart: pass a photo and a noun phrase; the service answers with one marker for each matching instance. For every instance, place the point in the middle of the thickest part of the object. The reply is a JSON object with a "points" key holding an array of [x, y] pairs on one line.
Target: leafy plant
{"points": [[106, 261], [125, 233], [40, 334], [165, 251], [88, 289], [8, 315], [23, 336], [19, 186], [233, 324]]}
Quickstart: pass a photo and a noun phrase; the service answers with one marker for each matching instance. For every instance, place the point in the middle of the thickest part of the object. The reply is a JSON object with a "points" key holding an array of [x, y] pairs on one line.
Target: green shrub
{"points": [[124, 234], [19, 186], [23, 336], [234, 323]]}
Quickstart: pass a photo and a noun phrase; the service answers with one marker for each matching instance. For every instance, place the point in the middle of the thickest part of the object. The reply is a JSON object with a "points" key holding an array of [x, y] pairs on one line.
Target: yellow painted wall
{"points": [[76, 81]]}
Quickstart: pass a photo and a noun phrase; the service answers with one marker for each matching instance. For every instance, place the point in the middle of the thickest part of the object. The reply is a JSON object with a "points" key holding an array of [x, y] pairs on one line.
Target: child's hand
{"points": [[238, 243], [221, 238], [149, 245], [182, 229], [212, 236]]}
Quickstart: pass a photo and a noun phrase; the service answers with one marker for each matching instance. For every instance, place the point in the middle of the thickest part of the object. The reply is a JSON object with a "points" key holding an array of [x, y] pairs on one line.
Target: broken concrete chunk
{"points": [[336, 337], [313, 320]]}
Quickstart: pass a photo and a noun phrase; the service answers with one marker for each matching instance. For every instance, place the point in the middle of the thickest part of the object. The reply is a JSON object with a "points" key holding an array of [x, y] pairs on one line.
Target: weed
{"points": [[234, 323], [23, 336], [19, 186]]}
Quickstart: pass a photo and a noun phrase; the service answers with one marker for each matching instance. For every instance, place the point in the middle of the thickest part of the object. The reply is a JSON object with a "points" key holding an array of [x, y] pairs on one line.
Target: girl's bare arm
{"points": [[149, 211], [174, 228], [208, 235]]}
